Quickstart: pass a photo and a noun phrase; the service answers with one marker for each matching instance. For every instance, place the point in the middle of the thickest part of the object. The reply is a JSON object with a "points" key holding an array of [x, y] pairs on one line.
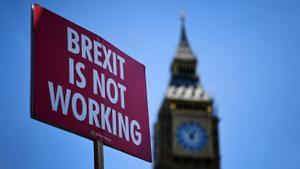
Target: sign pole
{"points": [[98, 155]]}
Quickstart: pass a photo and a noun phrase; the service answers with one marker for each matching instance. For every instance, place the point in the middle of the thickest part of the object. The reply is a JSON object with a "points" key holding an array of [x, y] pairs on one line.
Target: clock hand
{"points": [[187, 134]]}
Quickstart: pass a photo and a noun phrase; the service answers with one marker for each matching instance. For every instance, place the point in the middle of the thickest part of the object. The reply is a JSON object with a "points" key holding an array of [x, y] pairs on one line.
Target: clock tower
{"points": [[186, 133]]}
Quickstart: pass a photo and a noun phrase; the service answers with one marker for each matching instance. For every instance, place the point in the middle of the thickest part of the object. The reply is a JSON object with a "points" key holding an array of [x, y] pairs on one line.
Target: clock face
{"points": [[191, 136]]}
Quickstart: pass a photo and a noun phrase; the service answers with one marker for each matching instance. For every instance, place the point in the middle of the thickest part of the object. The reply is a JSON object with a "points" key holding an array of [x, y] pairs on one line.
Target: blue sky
{"points": [[249, 61]]}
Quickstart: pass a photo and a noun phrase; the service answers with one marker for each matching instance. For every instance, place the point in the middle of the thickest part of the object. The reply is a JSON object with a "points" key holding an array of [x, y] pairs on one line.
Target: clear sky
{"points": [[249, 61]]}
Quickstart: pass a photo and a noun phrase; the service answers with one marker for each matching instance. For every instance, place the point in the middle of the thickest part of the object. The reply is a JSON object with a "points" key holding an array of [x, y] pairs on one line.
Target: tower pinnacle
{"points": [[183, 50], [182, 16], [183, 38]]}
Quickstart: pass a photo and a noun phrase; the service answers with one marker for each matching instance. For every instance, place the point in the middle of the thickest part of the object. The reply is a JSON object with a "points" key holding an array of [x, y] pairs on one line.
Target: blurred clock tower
{"points": [[186, 133]]}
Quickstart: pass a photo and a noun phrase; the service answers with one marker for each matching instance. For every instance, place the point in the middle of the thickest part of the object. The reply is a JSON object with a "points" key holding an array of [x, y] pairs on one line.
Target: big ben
{"points": [[186, 133]]}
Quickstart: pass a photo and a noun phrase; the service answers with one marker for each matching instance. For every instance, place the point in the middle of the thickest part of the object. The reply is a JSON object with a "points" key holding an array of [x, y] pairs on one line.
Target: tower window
{"points": [[186, 70]]}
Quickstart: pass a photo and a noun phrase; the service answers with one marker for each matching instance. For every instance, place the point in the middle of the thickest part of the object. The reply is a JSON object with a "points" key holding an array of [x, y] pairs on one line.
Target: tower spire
{"points": [[182, 16], [183, 38], [183, 50]]}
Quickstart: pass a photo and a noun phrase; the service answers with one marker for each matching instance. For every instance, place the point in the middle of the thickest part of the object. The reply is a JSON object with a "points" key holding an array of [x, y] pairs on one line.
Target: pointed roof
{"points": [[184, 52], [183, 86]]}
